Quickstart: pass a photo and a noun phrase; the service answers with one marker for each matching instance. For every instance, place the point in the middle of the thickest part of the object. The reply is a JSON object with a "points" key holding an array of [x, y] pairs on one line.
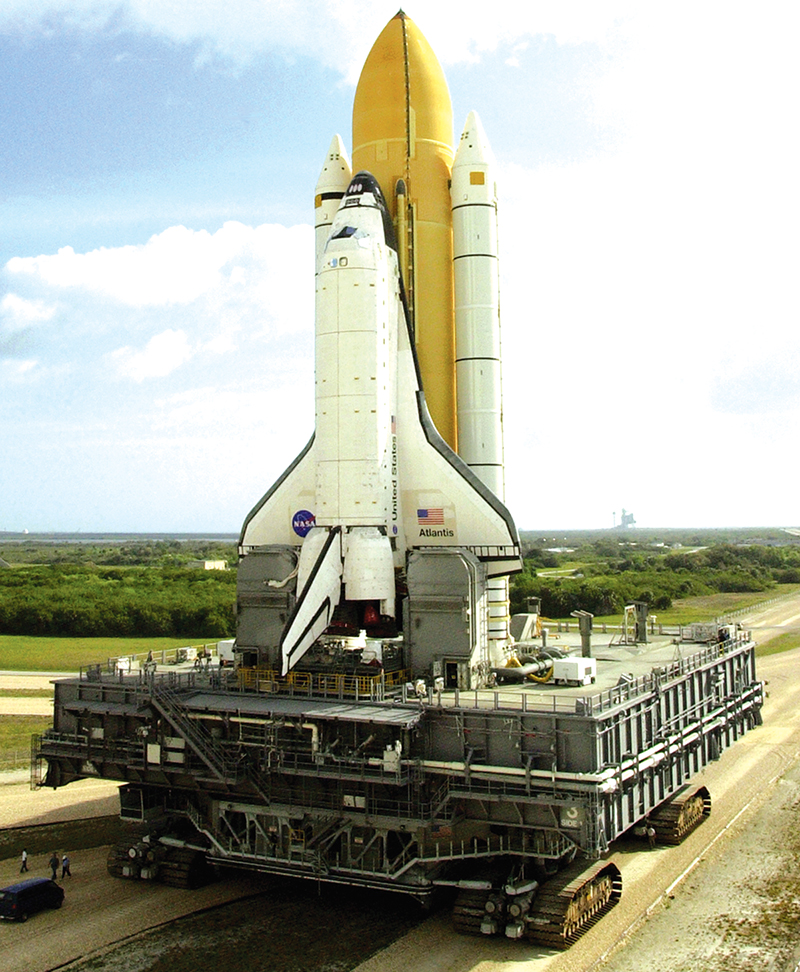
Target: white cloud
{"points": [[513, 60], [338, 33], [162, 355], [238, 285], [13, 370], [174, 267], [208, 305], [17, 310], [221, 344]]}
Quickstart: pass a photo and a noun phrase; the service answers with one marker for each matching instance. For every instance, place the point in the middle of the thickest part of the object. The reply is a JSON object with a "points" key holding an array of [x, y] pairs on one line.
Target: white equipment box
{"points": [[578, 671]]}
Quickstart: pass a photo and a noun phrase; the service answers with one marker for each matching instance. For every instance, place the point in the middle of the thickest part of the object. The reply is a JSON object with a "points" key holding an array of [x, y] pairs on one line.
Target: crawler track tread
{"points": [[118, 859], [184, 868], [469, 910], [179, 867], [571, 902], [675, 820]]}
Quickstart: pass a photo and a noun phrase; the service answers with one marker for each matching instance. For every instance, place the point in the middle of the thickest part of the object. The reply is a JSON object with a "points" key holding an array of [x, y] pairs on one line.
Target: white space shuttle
{"points": [[376, 480]]}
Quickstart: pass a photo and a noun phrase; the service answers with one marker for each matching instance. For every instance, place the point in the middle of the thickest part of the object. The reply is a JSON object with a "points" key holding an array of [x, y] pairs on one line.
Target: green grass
{"points": [[567, 566], [711, 606], [784, 642], [15, 739], [25, 693], [19, 653], [706, 608]]}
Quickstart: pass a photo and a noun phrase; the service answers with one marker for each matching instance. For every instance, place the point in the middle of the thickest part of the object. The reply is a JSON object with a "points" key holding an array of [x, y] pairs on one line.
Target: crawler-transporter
{"points": [[410, 763]]}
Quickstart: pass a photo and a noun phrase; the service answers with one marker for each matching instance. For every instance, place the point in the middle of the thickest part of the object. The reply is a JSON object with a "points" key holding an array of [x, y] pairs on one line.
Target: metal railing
{"points": [[744, 612], [141, 660], [328, 685], [396, 686], [78, 744], [645, 684], [541, 842]]}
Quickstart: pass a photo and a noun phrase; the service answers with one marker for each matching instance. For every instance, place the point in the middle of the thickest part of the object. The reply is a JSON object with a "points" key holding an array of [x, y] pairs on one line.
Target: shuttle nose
{"points": [[363, 182], [364, 190]]}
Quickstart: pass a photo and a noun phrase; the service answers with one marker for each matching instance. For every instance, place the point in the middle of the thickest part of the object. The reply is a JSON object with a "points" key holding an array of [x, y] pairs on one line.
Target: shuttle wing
{"points": [[285, 514], [442, 500]]}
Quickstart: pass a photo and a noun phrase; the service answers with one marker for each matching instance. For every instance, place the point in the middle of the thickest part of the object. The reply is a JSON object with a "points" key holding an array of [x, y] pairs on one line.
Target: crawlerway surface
{"points": [[739, 911], [285, 929]]}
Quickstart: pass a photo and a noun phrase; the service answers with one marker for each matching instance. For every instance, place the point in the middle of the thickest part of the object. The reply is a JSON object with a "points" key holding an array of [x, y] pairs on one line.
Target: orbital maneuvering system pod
{"points": [[406, 299]]}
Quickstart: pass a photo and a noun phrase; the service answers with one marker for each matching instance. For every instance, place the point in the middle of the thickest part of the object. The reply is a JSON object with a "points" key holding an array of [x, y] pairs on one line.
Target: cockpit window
{"points": [[347, 231]]}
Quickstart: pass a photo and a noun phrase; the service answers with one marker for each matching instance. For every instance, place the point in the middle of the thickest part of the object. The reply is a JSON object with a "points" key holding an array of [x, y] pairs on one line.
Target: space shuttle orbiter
{"points": [[376, 480]]}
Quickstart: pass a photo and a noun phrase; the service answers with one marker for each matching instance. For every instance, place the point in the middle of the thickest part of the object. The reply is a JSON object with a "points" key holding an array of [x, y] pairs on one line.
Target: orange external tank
{"points": [[403, 133]]}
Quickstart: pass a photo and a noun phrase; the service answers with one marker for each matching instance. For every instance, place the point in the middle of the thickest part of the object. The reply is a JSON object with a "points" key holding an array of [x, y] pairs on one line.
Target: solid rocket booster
{"points": [[477, 307], [331, 187], [473, 192], [403, 130], [376, 479]]}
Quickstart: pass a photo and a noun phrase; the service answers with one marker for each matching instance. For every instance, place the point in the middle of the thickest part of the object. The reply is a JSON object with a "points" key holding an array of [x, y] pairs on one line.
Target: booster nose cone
{"points": [[336, 172], [473, 148], [331, 187]]}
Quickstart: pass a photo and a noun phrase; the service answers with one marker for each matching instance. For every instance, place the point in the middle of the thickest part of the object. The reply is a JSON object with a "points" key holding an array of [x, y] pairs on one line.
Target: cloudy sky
{"points": [[158, 164]]}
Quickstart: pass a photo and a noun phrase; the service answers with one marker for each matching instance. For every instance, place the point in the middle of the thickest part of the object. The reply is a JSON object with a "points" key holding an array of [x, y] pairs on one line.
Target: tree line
{"points": [[85, 600], [74, 596], [611, 575], [128, 553]]}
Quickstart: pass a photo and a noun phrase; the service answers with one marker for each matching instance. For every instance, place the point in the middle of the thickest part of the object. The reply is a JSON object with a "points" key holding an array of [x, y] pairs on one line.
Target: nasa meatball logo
{"points": [[302, 522]]}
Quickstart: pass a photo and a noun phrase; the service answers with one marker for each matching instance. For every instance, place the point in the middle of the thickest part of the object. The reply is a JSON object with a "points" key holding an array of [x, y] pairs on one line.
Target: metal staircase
{"points": [[228, 771], [36, 761]]}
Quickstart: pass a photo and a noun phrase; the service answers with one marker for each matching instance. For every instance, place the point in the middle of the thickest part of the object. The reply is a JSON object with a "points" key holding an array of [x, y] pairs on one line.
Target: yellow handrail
{"points": [[325, 683]]}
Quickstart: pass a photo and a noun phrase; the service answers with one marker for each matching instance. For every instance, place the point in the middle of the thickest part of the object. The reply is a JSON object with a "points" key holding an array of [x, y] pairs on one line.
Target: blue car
{"points": [[17, 901]]}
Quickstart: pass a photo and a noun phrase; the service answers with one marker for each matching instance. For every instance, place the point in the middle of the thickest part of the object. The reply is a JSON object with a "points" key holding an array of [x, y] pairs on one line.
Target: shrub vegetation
{"points": [[142, 589], [147, 589], [606, 575]]}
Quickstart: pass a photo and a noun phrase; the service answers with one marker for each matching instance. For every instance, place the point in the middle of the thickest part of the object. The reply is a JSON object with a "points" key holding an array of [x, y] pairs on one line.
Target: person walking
{"points": [[65, 871], [54, 865], [24, 867]]}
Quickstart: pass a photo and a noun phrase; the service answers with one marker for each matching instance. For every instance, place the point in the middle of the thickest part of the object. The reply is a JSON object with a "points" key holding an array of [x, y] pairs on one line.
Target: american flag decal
{"points": [[433, 516]]}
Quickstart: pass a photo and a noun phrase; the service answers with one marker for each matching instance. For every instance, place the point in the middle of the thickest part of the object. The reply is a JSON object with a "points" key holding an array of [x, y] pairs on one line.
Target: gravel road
{"points": [[19, 705], [22, 807], [739, 909], [23, 706], [99, 910]]}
